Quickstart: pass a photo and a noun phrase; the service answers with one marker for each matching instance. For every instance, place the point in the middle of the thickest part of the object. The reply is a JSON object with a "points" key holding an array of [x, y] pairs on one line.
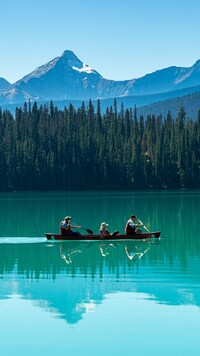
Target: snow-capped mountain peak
{"points": [[67, 77], [67, 61], [72, 61]]}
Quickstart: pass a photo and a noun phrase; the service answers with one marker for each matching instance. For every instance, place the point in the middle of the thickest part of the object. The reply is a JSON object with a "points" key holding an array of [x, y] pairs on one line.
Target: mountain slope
{"points": [[190, 102], [168, 79], [4, 84], [63, 77], [66, 77]]}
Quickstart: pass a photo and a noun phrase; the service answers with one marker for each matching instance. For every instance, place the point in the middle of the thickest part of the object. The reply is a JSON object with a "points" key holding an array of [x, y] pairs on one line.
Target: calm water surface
{"points": [[136, 297]]}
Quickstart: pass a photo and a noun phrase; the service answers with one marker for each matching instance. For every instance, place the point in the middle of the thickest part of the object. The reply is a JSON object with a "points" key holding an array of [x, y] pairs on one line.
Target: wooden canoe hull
{"points": [[97, 237]]}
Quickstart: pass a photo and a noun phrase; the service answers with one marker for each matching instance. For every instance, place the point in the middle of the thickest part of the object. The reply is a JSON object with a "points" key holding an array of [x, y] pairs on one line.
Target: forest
{"points": [[45, 148]]}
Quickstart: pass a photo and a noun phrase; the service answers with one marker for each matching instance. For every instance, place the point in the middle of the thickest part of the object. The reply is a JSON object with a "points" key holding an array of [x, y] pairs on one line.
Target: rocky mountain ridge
{"points": [[66, 77]]}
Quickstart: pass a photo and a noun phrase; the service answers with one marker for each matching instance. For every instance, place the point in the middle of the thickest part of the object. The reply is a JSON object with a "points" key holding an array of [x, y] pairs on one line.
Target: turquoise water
{"points": [[83, 298]]}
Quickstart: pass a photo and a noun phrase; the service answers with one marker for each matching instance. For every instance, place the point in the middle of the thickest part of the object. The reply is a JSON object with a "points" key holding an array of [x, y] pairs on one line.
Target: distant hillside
{"points": [[157, 103], [190, 102]]}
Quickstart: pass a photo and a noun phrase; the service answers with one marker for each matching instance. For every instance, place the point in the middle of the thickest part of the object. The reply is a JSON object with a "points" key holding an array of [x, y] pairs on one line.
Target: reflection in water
{"points": [[136, 253], [105, 248], [70, 278], [68, 254], [135, 288], [133, 250], [90, 271]]}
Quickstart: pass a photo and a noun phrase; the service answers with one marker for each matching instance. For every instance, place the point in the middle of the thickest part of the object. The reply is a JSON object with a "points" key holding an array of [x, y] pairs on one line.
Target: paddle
{"points": [[143, 225], [88, 230]]}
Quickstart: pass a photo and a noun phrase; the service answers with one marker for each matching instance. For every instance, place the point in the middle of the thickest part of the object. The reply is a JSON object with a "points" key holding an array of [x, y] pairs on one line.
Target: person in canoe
{"points": [[103, 229], [105, 232], [132, 225], [66, 227]]}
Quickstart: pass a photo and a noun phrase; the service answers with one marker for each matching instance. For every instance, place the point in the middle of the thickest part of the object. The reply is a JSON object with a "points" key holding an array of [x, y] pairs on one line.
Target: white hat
{"points": [[103, 225], [67, 218]]}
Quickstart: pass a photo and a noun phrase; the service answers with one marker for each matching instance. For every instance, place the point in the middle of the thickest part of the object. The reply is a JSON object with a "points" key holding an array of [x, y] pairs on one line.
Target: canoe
{"points": [[98, 237]]}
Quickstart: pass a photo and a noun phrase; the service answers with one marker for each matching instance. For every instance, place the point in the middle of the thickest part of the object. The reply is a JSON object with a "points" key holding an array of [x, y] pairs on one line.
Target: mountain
{"points": [[190, 102], [4, 84], [62, 78], [146, 104], [166, 80], [150, 100], [66, 77]]}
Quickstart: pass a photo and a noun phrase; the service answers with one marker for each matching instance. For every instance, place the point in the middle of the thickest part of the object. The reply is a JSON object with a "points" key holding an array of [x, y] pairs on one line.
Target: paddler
{"points": [[131, 226], [66, 227]]}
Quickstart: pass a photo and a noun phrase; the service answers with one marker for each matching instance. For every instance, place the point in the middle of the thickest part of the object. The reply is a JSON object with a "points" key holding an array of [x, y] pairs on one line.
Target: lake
{"points": [[99, 298]]}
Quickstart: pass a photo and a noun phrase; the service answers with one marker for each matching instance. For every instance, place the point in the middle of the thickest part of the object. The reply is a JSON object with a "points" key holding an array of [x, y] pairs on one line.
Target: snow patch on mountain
{"points": [[182, 78], [85, 68], [183, 74]]}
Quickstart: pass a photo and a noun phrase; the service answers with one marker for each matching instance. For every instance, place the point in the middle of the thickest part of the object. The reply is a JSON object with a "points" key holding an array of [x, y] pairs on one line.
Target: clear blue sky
{"points": [[121, 39]]}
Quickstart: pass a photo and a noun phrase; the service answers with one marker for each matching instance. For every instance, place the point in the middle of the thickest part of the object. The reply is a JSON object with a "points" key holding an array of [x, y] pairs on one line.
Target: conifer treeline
{"points": [[44, 148]]}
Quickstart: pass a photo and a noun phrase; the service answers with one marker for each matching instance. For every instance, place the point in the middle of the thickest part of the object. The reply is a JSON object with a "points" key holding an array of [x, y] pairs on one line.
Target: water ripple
{"points": [[22, 240]]}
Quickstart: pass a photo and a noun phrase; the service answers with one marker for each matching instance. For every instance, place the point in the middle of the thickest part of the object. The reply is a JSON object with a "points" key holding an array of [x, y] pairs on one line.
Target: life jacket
{"points": [[129, 229], [104, 232], [65, 231]]}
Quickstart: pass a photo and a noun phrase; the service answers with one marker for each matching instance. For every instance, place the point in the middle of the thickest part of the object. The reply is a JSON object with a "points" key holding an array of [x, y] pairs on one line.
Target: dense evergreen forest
{"points": [[44, 148]]}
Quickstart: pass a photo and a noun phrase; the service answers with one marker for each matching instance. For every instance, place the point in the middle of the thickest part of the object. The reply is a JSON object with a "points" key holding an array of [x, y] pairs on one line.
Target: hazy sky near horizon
{"points": [[121, 39]]}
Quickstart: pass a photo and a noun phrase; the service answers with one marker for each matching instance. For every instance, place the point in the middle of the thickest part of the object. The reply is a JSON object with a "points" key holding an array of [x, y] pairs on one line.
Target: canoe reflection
{"points": [[135, 250]]}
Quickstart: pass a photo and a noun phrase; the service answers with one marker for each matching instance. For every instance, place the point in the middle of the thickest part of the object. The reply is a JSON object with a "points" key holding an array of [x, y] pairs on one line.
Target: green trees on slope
{"points": [[44, 148]]}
